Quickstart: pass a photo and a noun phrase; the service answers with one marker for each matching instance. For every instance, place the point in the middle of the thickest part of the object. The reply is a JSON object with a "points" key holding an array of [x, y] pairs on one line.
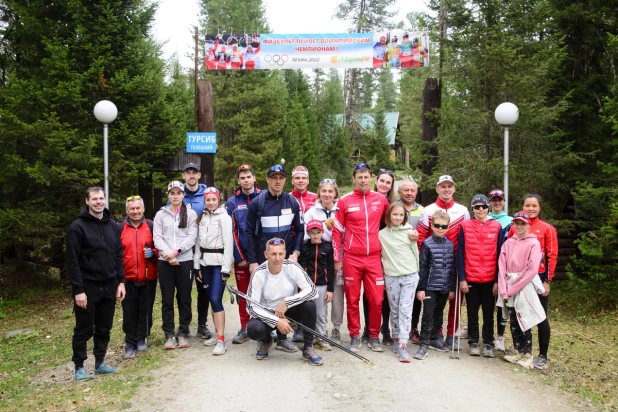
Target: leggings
{"points": [[213, 284], [544, 329], [522, 341]]}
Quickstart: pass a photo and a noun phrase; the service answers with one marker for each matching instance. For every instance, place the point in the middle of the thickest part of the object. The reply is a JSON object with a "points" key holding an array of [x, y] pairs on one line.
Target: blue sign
{"points": [[201, 142]]}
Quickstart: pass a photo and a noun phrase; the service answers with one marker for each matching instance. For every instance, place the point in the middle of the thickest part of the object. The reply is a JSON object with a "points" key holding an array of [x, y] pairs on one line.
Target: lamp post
{"points": [[105, 112], [506, 114]]}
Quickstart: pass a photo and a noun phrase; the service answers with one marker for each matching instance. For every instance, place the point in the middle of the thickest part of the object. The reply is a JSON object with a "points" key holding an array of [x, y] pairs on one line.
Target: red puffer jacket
{"points": [[133, 243], [479, 245], [359, 216]]}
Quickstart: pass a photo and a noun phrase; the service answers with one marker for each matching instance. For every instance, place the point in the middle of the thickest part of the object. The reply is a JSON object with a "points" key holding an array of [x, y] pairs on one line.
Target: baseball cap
{"points": [[191, 166], [406, 35], [523, 216], [479, 199], [496, 193], [276, 169], [315, 224], [300, 170], [174, 184], [445, 178], [415, 40], [393, 39]]}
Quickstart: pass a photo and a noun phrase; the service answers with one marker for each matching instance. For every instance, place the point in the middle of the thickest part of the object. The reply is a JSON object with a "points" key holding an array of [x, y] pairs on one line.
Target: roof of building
{"points": [[366, 122]]}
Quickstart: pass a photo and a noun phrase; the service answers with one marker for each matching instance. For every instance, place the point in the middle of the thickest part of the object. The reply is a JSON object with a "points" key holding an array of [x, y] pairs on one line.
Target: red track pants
{"points": [[243, 276], [368, 271]]}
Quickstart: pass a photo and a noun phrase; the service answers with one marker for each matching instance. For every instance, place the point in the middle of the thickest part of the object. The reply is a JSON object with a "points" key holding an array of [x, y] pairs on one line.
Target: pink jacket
{"points": [[518, 256]]}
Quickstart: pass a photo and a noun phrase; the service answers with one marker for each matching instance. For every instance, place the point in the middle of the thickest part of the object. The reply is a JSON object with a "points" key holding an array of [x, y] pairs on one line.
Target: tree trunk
{"points": [[431, 107], [205, 123]]}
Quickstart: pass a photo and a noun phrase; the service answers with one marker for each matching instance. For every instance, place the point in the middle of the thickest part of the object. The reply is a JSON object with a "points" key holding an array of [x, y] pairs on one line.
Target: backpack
{"points": [[120, 226]]}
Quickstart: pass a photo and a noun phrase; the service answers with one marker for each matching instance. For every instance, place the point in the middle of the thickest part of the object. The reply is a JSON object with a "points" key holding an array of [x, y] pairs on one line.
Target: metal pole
{"points": [[506, 170], [105, 165]]}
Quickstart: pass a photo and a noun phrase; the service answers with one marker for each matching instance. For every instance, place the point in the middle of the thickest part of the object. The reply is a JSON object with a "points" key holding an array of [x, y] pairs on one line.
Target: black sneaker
{"points": [[286, 346], [141, 345], [421, 353], [386, 338], [365, 336], [437, 345], [241, 337], [129, 351], [203, 330], [355, 344]]}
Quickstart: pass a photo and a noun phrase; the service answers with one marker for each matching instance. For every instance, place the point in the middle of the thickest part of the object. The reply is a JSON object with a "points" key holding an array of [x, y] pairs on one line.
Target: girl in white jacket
{"points": [[212, 259]]}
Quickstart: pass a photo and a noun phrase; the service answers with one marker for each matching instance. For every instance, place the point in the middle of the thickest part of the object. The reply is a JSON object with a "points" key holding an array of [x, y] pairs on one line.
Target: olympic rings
{"points": [[275, 59]]}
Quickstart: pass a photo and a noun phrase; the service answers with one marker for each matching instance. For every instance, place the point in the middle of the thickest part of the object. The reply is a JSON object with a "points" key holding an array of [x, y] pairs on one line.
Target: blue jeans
{"points": [[212, 282]]}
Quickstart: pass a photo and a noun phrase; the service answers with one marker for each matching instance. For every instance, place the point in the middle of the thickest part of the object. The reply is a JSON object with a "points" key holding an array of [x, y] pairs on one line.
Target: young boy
{"points": [[316, 257], [438, 258], [480, 239]]}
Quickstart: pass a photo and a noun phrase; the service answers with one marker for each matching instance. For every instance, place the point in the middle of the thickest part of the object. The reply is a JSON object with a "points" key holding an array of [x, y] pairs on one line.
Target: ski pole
{"points": [[147, 307], [305, 328]]}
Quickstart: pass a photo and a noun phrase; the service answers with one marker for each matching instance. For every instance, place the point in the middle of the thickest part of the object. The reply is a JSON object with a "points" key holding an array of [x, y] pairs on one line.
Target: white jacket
{"points": [[318, 212], [168, 237], [526, 303], [214, 232]]}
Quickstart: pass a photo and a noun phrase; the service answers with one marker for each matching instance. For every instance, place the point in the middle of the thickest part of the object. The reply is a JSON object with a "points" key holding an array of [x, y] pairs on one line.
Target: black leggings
{"points": [[544, 329], [522, 341]]}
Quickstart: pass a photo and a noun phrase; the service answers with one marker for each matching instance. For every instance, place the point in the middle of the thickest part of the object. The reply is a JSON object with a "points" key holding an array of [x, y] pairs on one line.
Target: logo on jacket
{"points": [[242, 207]]}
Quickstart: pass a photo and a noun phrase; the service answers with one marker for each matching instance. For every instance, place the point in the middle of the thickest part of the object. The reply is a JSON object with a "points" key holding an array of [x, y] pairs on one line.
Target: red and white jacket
{"points": [[457, 212], [359, 217], [548, 238], [134, 241], [306, 199]]}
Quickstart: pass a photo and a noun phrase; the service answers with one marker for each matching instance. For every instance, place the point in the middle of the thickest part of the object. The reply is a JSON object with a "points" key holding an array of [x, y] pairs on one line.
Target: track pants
{"points": [[481, 295], [242, 276], [321, 308], [96, 320], [453, 322], [386, 312], [433, 315], [337, 306], [137, 311], [176, 281], [304, 313], [401, 291], [365, 271]]}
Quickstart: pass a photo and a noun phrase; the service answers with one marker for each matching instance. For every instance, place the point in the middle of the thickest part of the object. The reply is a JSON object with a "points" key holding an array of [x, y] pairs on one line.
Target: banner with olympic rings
{"points": [[394, 49]]}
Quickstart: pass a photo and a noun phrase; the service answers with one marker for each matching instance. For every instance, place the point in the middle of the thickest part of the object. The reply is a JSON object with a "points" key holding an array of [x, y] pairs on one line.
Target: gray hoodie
{"points": [[168, 237]]}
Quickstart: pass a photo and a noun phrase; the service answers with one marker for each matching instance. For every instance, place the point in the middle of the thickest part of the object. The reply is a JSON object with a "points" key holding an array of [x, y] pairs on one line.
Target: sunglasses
{"points": [[211, 190], [388, 172], [521, 215], [479, 207], [361, 166], [276, 241], [133, 198], [438, 226], [244, 168], [300, 169], [276, 168], [496, 193], [329, 181]]}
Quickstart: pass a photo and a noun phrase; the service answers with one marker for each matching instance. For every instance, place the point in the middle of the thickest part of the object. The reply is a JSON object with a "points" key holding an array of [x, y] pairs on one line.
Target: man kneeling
{"points": [[275, 284]]}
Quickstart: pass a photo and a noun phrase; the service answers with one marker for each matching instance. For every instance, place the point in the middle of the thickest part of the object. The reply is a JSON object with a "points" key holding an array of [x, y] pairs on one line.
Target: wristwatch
{"points": [[179, 251]]}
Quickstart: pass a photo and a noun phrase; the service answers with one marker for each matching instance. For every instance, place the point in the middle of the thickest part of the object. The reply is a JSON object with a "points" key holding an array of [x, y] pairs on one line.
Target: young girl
{"points": [[400, 262], [174, 234], [212, 259]]}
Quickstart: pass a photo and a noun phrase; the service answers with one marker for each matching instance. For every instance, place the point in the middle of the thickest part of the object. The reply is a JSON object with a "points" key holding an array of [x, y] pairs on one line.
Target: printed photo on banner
{"points": [[400, 49], [232, 51]]}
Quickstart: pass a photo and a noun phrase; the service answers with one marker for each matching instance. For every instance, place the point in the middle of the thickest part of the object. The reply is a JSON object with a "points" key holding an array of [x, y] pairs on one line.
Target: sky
{"points": [[175, 18]]}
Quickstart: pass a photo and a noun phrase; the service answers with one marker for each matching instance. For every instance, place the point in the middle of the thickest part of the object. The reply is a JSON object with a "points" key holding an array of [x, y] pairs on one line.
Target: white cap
{"points": [[445, 178]]}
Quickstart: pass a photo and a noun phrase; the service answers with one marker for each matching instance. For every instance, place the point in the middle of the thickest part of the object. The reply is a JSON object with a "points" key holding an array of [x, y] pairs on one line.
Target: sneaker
{"points": [[415, 337], [262, 350], [375, 345], [355, 344], [203, 330], [298, 336], [474, 350], [540, 362], [220, 348], [500, 344], [335, 335], [212, 341], [183, 342], [82, 375], [513, 358], [104, 368], [387, 339], [286, 346], [365, 336], [129, 352], [142, 346], [170, 343], [463, 333], [421, 353], [451, 343], [273, 335], [323, 345], [241, 337], [396, 346], [526, 361], [310, 355], [438, 345], [488, 352], [404, 356]]}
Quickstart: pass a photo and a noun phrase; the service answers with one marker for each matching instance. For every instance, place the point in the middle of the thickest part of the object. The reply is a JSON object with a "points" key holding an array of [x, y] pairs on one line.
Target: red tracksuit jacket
{"points": [[548, 238]]}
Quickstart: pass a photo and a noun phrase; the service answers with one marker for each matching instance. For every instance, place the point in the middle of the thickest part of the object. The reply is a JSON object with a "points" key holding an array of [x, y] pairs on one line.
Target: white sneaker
{"points": [[212, 341], [526, 361], [513, 358], [220, 348], [463, 333], [500, 344]]}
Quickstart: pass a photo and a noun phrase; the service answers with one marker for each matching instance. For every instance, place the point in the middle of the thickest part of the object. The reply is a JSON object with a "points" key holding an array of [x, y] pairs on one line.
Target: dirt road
{"points": [[195, 380]]}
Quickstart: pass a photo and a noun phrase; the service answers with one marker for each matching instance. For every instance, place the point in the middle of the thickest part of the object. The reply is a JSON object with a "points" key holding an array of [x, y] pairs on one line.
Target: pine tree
{"points": [[377, 147]]}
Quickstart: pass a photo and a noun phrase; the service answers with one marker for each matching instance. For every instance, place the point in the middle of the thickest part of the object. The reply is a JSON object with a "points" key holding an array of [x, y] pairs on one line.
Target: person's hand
{"points": [[174, 262], [225, 276], [198, 275], [329, 223], [451, 295], [148, 252], [413, 236], [420, 295], [242, 264], [169, 256], [338, 266], [284, 327], [547, 287], [329, 297], [463, 286], [81, 300], [252, 267], [294, 257], [280, 311], [495, 289], [120, 292]]}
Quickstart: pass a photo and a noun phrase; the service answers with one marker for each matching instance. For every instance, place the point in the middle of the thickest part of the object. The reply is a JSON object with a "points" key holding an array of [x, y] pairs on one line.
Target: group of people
{"points": [[406, 53], [297, 254], [218, 57]]}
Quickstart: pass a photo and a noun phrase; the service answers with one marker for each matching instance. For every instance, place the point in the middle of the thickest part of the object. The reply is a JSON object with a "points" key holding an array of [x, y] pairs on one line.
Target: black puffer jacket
{"points": [[318, 262], [437, 265]]}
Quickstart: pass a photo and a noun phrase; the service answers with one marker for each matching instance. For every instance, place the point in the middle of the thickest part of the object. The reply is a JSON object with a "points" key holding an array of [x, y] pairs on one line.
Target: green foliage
{"points": [[376, 148]]}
